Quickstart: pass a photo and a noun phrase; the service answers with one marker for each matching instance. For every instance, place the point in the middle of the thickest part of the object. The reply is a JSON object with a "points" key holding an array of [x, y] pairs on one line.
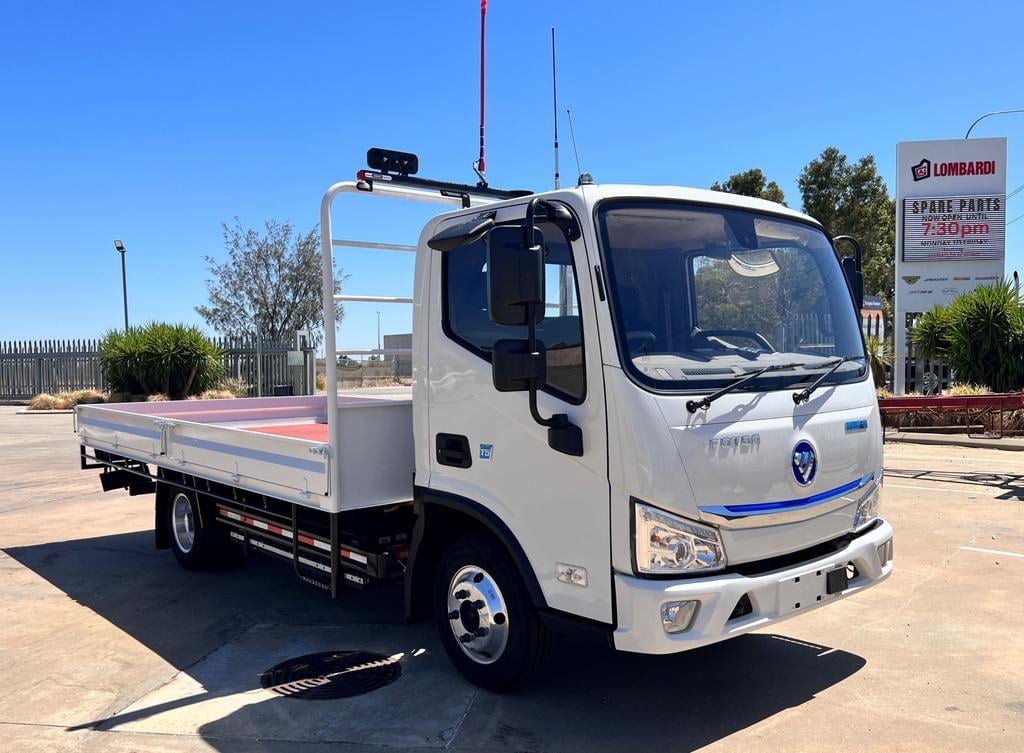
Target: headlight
{"points": [[867, 508], [667, 544]]}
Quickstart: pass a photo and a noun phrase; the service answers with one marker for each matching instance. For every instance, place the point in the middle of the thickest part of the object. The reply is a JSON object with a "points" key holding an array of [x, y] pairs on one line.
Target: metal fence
{"points": [[28, 368], [917, 366]]}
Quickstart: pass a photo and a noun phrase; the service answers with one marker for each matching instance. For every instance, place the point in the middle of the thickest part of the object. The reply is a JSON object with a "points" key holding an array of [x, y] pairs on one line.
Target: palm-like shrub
{"points": [[176, 360], [879, 357], [980, 334]]}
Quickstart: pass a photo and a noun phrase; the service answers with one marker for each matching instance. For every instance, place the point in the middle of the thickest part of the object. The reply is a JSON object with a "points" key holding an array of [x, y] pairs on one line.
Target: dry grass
{"points": [[236, 387], [157, 398], [214, 395], [321, 381], [46, 401], [370, 383], [960, 389], [85, 397], [66, 400]]}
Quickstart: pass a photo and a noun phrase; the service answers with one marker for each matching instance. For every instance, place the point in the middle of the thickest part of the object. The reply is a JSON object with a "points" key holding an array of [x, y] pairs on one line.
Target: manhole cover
{"points": [[331, 674]]}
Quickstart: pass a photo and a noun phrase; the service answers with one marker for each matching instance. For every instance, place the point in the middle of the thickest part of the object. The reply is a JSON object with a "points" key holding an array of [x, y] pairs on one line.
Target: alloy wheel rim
{"points": [[184, 523], [477, 614]]}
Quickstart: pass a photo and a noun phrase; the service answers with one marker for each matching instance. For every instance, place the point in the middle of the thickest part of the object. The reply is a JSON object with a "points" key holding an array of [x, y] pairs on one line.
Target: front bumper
{"points": [[773, 597]]}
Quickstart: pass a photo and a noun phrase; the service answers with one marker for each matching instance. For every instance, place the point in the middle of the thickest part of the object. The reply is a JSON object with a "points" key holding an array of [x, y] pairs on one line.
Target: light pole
{"points": [[259, 356], [987, 114], [124, 281], [379, 355]]}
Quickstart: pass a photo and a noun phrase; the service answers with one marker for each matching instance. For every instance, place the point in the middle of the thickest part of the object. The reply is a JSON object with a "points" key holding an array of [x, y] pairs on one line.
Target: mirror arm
{"points": [[531, 345], [859, 254], [528, 225], [563, 435]]}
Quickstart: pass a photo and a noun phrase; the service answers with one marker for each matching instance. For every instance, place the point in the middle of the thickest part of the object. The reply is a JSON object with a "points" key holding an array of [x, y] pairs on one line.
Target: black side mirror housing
{"points": [[856, 280], [566, 438], [514, 368], [515, 276]]}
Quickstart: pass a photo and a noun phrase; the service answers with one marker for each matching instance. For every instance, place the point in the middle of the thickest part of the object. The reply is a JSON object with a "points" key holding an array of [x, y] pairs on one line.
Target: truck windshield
{"points": [[703, 295]]}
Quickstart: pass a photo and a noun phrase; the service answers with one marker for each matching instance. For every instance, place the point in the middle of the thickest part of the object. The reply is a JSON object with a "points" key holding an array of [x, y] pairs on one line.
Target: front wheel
{"points": [[487, 623]]}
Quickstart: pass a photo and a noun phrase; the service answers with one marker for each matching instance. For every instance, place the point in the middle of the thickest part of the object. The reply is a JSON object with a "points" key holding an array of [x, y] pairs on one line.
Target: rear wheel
{"points": [[193, 540], [487, 623]]}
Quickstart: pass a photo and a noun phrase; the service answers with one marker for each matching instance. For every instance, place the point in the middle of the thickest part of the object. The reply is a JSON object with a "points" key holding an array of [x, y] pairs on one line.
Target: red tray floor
{"points": [[310, 432]]}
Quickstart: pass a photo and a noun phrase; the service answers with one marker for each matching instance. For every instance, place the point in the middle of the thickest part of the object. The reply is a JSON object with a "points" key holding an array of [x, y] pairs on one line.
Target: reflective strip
{"points": [[286, 533], [347, 553], [762, 508]]}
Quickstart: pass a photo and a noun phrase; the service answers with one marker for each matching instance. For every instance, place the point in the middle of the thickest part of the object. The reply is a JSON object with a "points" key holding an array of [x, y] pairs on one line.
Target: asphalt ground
{"points": [[106, 644]]}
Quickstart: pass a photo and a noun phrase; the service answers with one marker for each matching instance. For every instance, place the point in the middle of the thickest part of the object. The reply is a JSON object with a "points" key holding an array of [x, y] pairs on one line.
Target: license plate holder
{"points": [[811, 588]]}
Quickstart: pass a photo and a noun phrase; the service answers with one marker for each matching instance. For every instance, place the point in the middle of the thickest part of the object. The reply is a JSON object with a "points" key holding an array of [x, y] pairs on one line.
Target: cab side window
{"points": [[466, 321]]}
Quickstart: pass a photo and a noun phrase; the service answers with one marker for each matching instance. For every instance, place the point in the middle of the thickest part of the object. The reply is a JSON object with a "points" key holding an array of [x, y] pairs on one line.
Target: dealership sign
{"points": [[940, 228], [950, 225]]}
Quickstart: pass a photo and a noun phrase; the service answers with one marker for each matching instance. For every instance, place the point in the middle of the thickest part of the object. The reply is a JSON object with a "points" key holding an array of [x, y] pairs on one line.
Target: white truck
{"points": [[640, 413]]}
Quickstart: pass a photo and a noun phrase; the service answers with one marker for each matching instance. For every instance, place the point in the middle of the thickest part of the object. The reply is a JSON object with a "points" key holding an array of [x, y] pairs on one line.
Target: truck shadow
{"points": [[1011, 485], [589, 698]]}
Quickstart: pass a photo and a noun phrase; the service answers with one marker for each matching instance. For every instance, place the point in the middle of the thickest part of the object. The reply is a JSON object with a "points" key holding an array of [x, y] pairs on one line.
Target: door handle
{"points": [[453, 450]]}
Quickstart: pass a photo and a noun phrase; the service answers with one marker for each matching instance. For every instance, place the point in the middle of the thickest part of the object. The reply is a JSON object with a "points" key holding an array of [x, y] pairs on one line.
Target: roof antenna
{"points": [[480, 167], [554, 97], [572, 132]]}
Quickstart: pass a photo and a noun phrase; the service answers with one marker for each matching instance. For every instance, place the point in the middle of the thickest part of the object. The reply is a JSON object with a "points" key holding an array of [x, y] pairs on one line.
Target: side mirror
{"points": [[856, 280], [515, 276], [514, 368]]}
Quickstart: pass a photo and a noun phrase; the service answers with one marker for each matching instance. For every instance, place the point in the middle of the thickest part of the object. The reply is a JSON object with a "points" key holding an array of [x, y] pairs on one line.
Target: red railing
{"points": [[972, 407]]}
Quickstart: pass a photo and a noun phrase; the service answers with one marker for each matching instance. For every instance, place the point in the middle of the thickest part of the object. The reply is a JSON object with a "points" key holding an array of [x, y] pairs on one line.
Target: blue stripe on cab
{"points": [[760, 508]]}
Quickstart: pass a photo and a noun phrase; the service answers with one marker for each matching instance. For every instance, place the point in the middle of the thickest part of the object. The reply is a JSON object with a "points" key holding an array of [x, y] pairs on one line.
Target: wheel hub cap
{"points": [[477, 614]]}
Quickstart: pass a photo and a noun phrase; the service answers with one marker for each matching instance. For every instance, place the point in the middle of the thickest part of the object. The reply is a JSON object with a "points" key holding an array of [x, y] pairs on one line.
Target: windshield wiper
{"points": [[695, 405], [804, 395]]}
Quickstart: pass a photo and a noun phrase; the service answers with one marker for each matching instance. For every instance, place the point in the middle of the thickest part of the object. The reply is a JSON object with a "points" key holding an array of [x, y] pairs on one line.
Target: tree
{"points": [[852, 199], [752, 183], [270, 283]]}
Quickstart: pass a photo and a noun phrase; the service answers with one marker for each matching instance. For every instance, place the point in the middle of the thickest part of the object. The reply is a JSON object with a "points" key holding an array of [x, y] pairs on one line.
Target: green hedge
{"points": [[176, 360]]}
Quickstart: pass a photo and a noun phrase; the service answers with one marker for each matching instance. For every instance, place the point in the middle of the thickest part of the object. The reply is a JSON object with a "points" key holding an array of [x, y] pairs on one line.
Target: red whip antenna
{"points": [[480, 167]]}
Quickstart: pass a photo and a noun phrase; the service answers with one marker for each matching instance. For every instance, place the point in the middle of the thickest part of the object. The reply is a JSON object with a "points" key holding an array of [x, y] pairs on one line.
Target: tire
{"points": [[487, 622], [193, 539]]}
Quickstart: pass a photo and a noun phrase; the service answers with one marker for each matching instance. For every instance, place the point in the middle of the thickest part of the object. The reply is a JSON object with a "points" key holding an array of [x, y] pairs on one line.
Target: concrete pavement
{"points": [[107, 645]]}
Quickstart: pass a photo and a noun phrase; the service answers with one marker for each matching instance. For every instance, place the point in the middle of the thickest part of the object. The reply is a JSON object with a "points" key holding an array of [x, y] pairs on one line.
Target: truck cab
{"points": [[675, 522]]}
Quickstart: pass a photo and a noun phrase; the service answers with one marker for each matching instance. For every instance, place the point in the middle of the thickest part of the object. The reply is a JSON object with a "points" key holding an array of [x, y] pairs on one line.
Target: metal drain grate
{"points": [[331, 674]]}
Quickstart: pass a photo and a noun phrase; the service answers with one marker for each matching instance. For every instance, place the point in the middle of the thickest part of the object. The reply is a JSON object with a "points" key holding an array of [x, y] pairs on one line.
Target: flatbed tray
{"points": [[278, 446]]}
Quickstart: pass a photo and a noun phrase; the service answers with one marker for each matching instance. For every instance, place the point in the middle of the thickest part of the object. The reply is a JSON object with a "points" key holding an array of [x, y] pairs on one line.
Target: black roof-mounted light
{"points": [[389, 161]]}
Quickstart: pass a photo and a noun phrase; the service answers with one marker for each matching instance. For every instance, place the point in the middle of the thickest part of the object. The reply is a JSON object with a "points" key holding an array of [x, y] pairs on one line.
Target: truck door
{"points": [[556, 505]]}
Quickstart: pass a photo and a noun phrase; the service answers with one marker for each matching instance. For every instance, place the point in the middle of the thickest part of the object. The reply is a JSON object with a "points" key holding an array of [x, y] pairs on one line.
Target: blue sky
{"points": [[154, 122]]}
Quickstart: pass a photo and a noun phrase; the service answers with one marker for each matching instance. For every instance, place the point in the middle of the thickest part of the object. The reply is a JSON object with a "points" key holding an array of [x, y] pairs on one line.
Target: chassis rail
{"points": [[325, 557]]}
